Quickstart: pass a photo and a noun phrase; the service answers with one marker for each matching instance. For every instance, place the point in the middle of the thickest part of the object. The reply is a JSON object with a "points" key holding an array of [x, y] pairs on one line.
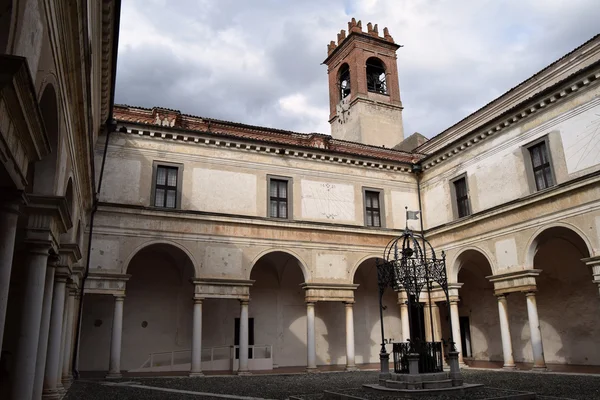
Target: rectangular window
{"points": [[278, 198], [540, 162], [165, 186], [372, 208], [462, 197]]}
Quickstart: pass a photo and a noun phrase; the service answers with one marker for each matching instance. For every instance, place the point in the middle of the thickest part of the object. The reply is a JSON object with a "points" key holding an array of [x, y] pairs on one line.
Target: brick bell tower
{"points": [[364, 94]]}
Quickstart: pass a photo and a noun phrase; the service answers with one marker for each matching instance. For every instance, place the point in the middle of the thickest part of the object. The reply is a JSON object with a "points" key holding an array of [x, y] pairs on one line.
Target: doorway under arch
{"points": [[567, 300], [367, 327], [277, 307], [478, 309]]}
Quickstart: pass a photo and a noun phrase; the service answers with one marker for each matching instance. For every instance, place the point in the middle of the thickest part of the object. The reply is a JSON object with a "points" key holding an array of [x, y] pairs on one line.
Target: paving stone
{"points": [[549, 386]]}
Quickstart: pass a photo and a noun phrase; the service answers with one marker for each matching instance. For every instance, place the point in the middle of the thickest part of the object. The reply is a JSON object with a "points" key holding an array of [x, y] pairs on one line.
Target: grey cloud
{"points": [[290, 39]]}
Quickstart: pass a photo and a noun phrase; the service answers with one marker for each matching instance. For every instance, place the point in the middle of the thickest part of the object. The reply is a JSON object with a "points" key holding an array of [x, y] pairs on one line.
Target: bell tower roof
{"points": [[355, 32]]}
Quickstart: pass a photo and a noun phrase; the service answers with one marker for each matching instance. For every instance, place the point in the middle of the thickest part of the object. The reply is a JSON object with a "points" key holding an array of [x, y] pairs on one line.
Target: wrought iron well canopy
{"points": [[411, 265]]}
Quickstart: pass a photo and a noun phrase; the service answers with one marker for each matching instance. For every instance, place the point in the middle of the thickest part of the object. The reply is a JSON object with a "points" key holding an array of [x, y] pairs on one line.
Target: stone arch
{"points": [[46, 170], [8, 12], [359, 263], [149, 243], [457, 261], [343, 81], [376, 74], [562, 229], [301, 263]]}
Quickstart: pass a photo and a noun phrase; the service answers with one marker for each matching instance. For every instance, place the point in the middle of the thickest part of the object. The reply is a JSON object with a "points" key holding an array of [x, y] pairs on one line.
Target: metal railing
{"points": [[430, 356], [211, 354]]}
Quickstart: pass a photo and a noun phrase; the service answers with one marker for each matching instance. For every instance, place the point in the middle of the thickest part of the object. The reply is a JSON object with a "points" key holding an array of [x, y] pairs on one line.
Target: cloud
{"points": [[259, 62]]}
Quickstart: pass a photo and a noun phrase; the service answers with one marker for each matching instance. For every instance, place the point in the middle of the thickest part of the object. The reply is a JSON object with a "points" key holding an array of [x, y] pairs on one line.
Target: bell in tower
{"points": [[364, 94]]}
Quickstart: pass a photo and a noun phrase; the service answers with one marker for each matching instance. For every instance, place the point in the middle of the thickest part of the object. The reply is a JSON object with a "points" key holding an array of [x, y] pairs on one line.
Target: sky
{"points": [[259, 62]]}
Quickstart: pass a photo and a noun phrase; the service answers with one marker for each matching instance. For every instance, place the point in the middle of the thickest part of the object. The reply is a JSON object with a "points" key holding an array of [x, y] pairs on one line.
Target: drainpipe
{"points": [[110, 127]]}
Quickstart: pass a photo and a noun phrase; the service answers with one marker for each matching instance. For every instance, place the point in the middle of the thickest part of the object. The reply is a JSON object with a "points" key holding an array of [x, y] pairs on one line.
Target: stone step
{"points": [[392, 384], [446, 383]]}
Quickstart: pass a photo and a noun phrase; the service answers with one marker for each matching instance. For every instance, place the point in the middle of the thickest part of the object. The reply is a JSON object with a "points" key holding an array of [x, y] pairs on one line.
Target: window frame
{"points": [[381, 194], [529, 168], [155, 165], [290, 195], [455, 208]]}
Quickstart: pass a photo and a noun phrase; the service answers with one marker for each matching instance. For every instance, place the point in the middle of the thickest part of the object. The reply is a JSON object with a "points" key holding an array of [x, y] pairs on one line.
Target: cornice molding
{"points": [[316, 154]]}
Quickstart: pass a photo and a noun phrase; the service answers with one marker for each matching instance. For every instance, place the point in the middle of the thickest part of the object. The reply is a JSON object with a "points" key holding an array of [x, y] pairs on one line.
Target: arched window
{"points": [[344, 81], [376, 76]]}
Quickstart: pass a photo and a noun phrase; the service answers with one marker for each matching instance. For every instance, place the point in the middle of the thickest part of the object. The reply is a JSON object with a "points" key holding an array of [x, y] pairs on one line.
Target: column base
{"points": [[243, 373], [67, 381], [312, 370], [350, 368], [509, 367], [539, 369], [52, 394], [197, 373], [114, 375]]}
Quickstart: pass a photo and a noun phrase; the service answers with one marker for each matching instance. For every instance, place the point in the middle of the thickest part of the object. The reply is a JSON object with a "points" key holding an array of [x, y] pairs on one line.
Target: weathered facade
{"points": [[219, 245], [56, 85]]}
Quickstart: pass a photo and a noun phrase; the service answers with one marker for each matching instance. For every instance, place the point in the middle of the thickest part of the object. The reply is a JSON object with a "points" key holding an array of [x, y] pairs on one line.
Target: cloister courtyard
{"points": [[547, 386]]}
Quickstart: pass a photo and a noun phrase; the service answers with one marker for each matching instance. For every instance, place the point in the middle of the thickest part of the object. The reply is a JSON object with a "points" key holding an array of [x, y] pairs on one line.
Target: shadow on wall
{"points": [[367, 327], [479, 305], [567, 301], [278, 308]]}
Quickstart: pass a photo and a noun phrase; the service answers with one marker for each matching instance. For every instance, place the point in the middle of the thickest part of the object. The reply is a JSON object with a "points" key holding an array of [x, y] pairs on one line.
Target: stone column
{"points": [[404, 318], [311, 364], [536, 333], [427, 322], [454, 317], [40, 365], [52, 375], [243, 368], [350, 362], [68, 335], [29, 329], [9, 212], [196, 369], [437, 322], [509, 362], [114, 370]]}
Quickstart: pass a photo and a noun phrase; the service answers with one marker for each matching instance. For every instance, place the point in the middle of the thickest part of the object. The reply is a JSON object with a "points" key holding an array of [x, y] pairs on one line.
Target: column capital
{"points": [[198, 301], [349, 303], [244, 302], [119, 297], [454, 300], [530, 293], [501, 296]]}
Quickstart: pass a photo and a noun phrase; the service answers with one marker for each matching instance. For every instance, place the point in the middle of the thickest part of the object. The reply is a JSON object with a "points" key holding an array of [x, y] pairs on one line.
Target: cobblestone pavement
{"points": [[549, 385]]}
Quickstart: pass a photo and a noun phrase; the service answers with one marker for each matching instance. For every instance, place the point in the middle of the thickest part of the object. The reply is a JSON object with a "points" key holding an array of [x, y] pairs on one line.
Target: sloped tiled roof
{"points": [[178, 121]]}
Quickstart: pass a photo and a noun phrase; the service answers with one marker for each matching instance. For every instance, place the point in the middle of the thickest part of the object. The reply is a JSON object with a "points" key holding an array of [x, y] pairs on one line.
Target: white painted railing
{"points": [[220, 358]]}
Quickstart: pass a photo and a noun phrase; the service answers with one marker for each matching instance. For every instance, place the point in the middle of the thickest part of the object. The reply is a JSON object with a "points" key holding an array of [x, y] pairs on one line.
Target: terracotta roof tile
{"points": [[174, 119]]}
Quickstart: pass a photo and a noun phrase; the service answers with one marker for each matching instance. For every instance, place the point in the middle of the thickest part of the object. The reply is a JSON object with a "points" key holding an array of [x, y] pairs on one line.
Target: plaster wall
{"points": [[370, 122], [479, 304], [234, 181], [30, 35], [496, 167], [367, 329]]}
